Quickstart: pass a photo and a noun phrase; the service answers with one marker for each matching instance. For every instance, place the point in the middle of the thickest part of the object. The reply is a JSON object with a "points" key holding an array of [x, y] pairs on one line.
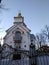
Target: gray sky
{"points": [[35, 13]]}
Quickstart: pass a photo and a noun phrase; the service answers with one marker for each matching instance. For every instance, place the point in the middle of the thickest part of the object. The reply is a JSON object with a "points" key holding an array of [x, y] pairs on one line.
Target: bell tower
{"points": [[18, 19]]}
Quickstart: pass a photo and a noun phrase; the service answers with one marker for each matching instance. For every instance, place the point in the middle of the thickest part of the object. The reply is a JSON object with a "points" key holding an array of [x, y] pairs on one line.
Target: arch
{"points": [[17, 37], [18, 32]]}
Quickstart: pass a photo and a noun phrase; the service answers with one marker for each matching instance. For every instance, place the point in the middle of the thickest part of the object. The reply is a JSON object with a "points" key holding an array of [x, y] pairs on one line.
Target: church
{"points": [[18, 37], [19, 47]]}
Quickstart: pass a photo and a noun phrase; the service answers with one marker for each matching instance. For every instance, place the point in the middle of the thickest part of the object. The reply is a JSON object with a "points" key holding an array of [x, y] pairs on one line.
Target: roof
{"points": [[32, 37]]}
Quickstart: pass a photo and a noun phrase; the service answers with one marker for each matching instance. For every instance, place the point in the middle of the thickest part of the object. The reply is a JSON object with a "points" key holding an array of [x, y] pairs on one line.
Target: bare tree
{"points": [[40, 40], [45, 33], [43, 37], [2, 6], [0, 1]]}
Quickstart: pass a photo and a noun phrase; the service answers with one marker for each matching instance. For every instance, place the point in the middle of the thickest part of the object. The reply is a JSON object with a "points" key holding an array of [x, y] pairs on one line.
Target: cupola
{"points": [[18, 19]]}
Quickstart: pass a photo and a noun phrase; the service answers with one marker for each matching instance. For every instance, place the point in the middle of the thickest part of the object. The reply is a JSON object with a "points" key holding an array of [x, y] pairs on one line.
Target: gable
{"points": [[18, 27]]}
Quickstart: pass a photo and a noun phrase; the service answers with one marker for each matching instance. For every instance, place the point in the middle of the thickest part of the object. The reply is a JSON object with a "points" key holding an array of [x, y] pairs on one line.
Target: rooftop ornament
{"points": [[19, 14]]}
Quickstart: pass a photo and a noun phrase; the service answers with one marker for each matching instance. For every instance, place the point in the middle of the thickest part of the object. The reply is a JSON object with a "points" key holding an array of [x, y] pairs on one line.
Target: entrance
{"points": [[16, 56]]}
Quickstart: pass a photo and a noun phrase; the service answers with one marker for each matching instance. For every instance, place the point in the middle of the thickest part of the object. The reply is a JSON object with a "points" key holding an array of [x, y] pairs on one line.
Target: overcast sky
{"points": [[35, 13]]}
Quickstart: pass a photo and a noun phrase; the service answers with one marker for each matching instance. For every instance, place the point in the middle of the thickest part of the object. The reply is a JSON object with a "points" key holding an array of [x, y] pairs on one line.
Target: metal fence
{"points": [[14, 62], [42, 60], [32, 58]]}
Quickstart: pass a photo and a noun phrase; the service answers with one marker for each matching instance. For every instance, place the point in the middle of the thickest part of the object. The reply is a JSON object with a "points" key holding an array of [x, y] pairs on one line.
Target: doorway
{"points": [[16, 56]]}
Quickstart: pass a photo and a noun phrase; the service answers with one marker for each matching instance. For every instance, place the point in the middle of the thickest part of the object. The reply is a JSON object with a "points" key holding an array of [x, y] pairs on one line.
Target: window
{"points": [[18, 37]]}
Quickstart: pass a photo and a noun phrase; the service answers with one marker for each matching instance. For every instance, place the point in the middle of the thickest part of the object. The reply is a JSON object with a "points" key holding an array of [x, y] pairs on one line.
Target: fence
{"points": [[14, 62], [34, 58], [42, 60]]}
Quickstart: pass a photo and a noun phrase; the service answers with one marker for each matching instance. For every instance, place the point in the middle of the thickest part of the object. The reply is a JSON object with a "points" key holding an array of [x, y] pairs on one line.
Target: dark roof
{"points": [[32, 37]]}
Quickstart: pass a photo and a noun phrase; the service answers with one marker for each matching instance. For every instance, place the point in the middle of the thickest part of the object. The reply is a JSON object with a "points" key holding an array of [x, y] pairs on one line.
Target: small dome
{"points": [[19, 14]]}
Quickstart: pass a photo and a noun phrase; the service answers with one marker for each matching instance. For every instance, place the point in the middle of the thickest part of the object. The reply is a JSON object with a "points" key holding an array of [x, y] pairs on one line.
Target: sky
{"points": [[35, 13]]}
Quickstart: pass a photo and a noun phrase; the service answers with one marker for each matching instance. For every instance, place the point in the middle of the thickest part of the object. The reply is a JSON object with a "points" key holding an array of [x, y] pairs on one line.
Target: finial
{"points": [[19, 14]]}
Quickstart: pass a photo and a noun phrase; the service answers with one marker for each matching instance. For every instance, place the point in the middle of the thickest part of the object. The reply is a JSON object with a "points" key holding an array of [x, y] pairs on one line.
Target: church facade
{"points": [[19, 46], [18, 37]]}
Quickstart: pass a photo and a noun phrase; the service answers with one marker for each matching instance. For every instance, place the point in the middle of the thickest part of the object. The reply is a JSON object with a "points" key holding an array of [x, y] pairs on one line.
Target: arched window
{"points": [[17, 33], [18, 37]]}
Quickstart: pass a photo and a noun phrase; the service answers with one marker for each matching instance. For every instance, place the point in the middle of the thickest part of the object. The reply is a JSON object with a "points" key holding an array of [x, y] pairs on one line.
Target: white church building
{"points": [[18, 37], [19, 46]]}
